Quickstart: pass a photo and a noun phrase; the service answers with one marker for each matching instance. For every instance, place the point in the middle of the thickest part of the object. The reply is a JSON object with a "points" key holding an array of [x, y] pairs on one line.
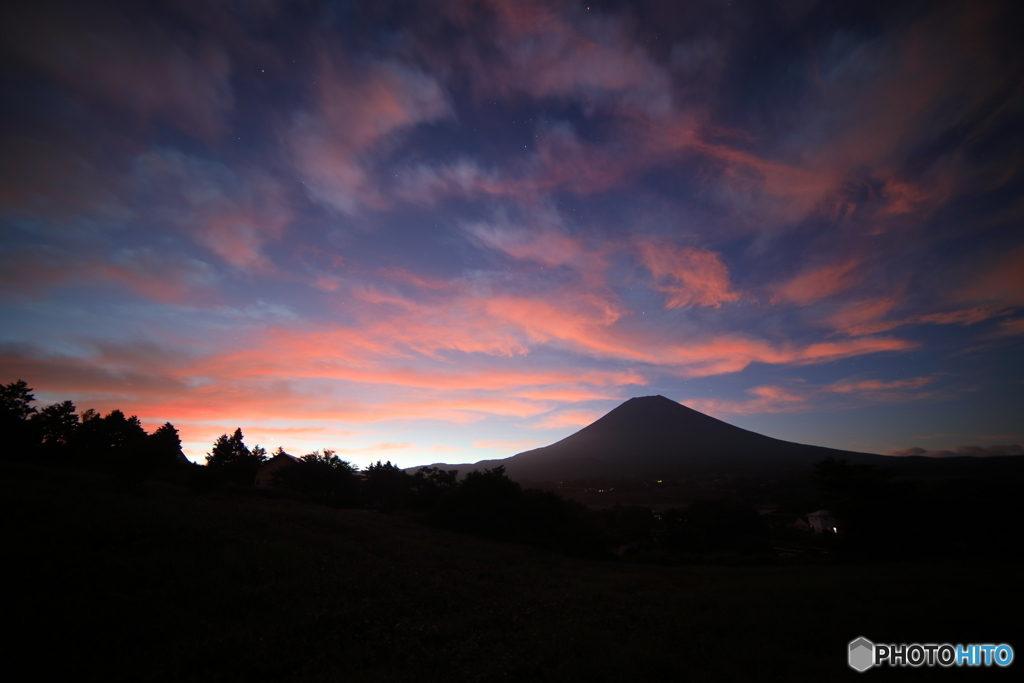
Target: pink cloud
{"points": [[866, 317], [333, 146], [358, 356], [726, 354], [154, 276], [874, 385], [557, 161], [327, 283], [564, 394], [543, 241], [380, 447], [1001, 282], [764, 399], [818, 284], [964, 316], [576, 325], [233, 212], [691, 277], [507, 445], [802, 397], [903, 197], [871, 316], [565, 420], [57, 180], [1011, 328], [559, 50]]}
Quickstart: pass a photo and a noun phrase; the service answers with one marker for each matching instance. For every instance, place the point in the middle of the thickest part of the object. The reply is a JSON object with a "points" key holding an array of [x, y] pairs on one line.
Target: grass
{"points": [[152, 581]]}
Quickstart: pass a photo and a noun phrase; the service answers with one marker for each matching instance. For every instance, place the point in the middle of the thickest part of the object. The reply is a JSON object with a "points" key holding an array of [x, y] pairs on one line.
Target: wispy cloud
{"points": [[690, 277]]}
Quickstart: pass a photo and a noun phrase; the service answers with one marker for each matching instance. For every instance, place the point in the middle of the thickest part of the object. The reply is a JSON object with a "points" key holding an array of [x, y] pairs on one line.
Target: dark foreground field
{"points": [[150, 581]]}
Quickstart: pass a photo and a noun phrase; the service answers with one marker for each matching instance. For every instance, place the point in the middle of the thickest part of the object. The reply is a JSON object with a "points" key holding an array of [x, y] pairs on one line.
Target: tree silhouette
{"points": [[15, 400], [429, 484], [110, 441], [57, 423], [485, 502], [125, 434], [386, 486], [16, 433], [228, 450], [233, 460], [323, 476], [165, 446]]}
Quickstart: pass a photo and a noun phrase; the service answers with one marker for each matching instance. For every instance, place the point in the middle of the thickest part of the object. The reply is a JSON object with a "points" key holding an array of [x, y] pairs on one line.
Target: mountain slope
{"points": [[653, 435]]}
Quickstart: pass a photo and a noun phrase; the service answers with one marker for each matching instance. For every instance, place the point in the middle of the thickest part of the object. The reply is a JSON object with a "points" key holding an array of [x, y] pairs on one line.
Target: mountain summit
{"points": [[654, 435]]}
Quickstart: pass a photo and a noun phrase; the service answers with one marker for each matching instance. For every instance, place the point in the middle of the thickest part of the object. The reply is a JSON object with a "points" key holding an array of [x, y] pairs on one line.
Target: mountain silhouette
{"points": [[654, 435]]}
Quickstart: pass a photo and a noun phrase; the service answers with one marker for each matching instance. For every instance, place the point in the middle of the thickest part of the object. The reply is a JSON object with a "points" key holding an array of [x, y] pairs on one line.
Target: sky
{"points": [[455, 230]]}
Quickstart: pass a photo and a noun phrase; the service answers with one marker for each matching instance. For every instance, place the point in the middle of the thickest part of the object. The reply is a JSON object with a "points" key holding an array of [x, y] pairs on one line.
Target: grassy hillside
{"points": [[153, 581]]}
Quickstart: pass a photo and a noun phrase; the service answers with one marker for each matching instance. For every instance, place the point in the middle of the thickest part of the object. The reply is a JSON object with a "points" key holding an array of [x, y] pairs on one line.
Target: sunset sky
{"points": [[454, 230]]}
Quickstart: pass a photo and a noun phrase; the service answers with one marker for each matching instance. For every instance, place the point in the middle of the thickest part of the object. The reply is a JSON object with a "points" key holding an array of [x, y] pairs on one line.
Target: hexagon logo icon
{"points": [[862, 654]]}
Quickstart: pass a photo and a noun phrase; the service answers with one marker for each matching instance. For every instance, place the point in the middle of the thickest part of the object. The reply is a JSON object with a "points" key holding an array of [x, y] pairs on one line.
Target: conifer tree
{"points": [[234, 460]]}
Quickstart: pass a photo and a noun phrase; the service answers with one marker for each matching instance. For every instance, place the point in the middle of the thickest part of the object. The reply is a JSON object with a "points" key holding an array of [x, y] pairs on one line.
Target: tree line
{"points": [[486, 503], [880, 513], [58, 434]]}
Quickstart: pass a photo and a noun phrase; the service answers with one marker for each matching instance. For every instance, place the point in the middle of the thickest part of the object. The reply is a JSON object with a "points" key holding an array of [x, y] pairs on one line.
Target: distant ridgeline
{"points": [[655, 436]]}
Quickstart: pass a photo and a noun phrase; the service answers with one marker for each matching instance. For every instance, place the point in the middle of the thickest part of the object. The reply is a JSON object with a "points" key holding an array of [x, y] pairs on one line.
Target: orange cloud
{"points": [[691, 277]]}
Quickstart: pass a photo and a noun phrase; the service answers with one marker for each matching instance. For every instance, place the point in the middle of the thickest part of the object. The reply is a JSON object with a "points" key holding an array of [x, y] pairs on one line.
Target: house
{"points": [[265, 474], [823, 522]]}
